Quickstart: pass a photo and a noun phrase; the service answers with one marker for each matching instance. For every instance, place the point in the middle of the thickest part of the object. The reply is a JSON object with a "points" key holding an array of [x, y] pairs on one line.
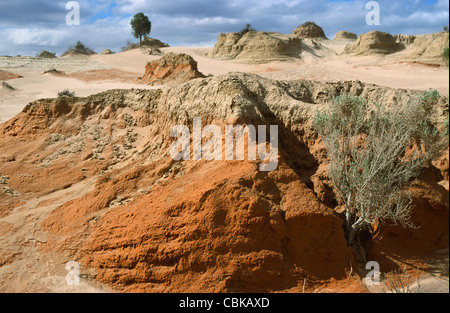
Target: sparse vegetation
{"points": [[130, 46], [445, 28], [66, 93], [445, 55], [400, 281], [46, 54], [374, 153], [141, 26], [150, 44], [308, 23], [79, 48], [247, 28]]}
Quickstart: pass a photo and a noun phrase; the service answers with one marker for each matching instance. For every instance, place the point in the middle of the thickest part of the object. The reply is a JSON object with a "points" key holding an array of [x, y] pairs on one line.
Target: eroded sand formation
{"points": [[144, 222], [90, 178]]}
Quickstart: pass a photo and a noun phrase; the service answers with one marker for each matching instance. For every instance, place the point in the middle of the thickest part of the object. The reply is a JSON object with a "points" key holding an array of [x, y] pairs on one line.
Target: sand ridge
{"points": [[382, 70]]}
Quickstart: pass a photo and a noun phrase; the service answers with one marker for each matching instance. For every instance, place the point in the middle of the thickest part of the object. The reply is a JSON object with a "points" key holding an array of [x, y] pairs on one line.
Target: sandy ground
{"points": [[434, 280], [34, 271], [91, 75]]}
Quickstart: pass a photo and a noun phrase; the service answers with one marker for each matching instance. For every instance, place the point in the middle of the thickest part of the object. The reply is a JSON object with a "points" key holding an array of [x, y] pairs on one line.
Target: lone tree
{"points": [[141, 26], [374, 152]]}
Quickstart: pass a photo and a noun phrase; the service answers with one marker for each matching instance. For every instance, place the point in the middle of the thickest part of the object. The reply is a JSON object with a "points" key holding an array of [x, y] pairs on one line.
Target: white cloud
{"points": [[30, 25], [130, 7], [442, 5], [35, 36]]}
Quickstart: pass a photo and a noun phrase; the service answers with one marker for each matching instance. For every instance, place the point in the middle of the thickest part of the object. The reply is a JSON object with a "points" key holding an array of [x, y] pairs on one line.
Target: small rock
{"points": [[8, 86], [3, 179], [10, 191]]}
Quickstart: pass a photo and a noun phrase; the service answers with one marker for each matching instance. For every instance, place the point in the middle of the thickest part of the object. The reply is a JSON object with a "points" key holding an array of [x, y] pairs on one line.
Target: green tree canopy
{"points": [[141, 26]]}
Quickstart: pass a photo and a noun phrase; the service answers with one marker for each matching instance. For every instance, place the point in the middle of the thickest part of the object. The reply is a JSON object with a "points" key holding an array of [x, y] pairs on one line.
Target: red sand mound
{"points": [[171, 69], [7, 75]]}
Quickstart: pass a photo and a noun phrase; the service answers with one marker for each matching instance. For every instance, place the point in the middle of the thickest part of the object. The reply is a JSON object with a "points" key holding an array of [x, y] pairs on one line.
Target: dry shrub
{"points": [[375, 151]]}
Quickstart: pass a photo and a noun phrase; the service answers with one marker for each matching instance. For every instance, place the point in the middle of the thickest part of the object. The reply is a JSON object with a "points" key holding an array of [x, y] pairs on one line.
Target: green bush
{"points": [[66, 93], [79, 48], [247, 28], [445, 54], [374, 152], [309, 23]]}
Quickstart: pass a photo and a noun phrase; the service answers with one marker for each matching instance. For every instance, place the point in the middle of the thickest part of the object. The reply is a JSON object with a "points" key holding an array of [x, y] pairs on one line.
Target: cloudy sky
{"points": [[29, 26]]}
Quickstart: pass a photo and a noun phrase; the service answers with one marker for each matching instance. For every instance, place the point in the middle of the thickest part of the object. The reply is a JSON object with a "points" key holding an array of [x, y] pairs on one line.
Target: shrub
{"points": [[66, 93], [79, 48], [247, 28], [46, 54], [445, 54], [130, 45], [308, 23], [374, 155], [400, 281]]}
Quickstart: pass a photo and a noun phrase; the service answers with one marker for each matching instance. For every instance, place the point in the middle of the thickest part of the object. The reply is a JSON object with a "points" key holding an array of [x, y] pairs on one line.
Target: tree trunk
{"points": [[353, 243], [352, 229], [348, 226], [350, 235]]}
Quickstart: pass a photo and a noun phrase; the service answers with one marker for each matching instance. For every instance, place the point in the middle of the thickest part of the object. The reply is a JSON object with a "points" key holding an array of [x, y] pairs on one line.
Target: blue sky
{"points": [[29, 26]]}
